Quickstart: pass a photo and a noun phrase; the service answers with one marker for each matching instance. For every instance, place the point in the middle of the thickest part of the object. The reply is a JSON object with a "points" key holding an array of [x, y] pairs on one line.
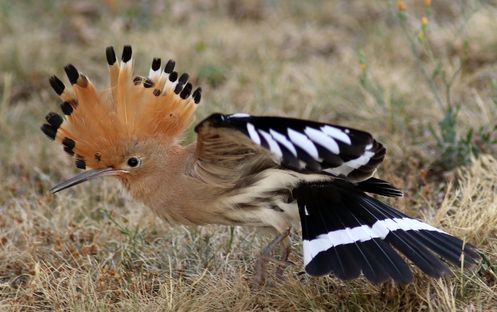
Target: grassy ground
{"points": [[427, 88]]}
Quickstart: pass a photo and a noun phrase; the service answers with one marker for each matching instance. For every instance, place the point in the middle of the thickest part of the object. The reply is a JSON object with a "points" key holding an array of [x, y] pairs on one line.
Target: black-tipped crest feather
{"points": [[66, 108], [197, 94], [183, 78], [49, 131], [173, 76], [69, 150], [72, 73], [169, 67], [181, 82], [54, 119], [148, 83], [111, 55], [127, 52], [80, 163], [156, 63], [138, 80], [186, 91], [57, 85], [68, 143]]}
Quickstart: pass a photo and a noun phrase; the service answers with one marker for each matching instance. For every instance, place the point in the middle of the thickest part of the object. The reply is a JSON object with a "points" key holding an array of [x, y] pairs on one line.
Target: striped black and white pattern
{"points": [[155, 70], [308, 145], [347, 232]]}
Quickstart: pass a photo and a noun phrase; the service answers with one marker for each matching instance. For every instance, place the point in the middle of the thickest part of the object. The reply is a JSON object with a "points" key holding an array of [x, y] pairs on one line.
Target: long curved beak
{"points": [[85, 176]]}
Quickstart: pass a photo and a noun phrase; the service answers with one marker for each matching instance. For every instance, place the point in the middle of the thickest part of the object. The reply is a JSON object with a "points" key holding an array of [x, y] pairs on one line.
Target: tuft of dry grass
{"points": [[362, 64]]}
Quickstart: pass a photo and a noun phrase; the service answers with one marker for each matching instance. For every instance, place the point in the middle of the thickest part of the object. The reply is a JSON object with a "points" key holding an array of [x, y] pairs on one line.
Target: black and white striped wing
{"points": [[347, 232], [307, 145]]}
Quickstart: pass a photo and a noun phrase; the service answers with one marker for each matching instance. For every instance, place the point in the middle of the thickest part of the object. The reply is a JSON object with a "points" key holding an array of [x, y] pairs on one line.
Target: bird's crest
{"points": [[98, 122]]}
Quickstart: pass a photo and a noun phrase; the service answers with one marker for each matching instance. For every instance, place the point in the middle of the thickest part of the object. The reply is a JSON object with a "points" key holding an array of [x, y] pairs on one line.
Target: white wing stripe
{"points": [[380, 229], [322, 139], [239, 115], [303, 142], [253, 133], [360, 161], [352, 164], [340, 170], [337, 134], [284, 141], [273, 146]]}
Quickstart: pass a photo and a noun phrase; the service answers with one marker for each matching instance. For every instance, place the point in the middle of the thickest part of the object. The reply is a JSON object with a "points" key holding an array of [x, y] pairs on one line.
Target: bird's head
{"points": [[126, 129]]}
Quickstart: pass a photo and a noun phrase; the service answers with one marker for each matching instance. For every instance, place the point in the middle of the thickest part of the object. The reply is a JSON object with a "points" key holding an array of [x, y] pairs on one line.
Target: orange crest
{"points": [[97, 124]]}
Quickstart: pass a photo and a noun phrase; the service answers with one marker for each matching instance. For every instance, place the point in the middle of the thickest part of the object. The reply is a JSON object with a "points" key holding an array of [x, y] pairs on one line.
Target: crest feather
{"points": [[97, 125]]}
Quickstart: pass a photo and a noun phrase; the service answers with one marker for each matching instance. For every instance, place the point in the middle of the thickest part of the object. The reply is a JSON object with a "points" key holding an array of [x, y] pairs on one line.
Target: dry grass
{"points": [[345, 62]]}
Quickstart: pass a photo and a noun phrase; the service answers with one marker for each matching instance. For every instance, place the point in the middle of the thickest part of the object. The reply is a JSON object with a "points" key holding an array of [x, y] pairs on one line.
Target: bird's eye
{"points": [[133, 162]]}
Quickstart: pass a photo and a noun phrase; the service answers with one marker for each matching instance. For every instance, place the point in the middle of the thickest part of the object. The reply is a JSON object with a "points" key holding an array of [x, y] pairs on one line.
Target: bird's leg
{"points": [[260, 274], [286, 248]]}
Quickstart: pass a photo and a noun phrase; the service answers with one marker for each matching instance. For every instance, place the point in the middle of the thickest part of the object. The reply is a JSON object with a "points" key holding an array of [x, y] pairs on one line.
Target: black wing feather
{"points": [[380, 187], [304, 145]]}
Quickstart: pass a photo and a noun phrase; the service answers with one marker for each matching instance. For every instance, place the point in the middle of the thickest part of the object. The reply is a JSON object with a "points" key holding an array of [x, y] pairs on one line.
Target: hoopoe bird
{"points": [[268, 172]]}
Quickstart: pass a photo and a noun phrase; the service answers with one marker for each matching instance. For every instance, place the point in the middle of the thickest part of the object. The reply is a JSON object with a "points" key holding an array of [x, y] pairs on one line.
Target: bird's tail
{"points": [[347, 232]]}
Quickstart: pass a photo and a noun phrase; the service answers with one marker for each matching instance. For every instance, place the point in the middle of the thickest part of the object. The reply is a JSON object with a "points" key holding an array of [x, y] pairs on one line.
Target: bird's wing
{"points": [[296, 144]]}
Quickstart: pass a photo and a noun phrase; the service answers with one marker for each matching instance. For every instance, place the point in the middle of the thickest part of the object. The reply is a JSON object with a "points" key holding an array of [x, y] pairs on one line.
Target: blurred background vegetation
{"points": [[420, 75]]}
